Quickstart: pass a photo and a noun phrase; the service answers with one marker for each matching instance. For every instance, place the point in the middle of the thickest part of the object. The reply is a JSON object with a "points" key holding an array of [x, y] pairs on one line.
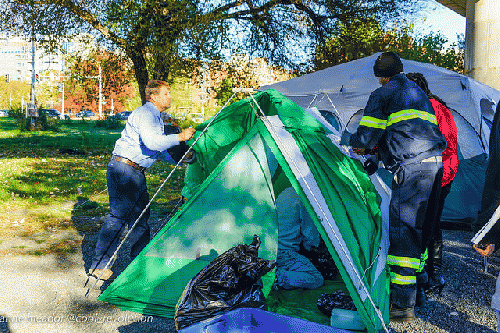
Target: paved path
{"points": [[45, 294]]}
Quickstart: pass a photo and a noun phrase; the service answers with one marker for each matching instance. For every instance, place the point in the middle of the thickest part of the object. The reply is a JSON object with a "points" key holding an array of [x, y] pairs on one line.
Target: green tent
{"points": [[231, 196]]}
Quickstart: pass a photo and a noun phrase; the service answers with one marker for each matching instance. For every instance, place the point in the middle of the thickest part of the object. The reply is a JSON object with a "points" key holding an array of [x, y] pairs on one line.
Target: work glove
{"points": [[370, 166]]}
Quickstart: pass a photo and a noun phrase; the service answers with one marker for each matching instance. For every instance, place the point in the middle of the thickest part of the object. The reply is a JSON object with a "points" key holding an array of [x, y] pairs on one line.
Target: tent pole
{"points": [[379, 314]]}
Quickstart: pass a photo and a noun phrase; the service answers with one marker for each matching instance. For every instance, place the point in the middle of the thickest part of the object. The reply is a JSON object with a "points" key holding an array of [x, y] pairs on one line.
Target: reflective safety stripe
{"points": [[403, 262], [403, 115], [373, 122], [423, 258], [396, 117], [401, 279]]}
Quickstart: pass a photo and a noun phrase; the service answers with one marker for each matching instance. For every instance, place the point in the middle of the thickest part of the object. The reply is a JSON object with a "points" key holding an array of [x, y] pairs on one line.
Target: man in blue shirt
{"points": [[142, 142]]}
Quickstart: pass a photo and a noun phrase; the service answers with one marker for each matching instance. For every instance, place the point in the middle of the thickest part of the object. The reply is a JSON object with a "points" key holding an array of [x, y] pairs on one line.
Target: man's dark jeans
{"points": [[128, 196]]}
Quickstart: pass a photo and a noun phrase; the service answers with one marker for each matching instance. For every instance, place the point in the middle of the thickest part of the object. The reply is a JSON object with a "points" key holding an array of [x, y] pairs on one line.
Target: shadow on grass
{"points": [[75, 135], [87, 226]]}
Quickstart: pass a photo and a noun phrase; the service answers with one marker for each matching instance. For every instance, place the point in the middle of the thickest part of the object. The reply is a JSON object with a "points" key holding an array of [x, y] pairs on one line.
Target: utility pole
{"points": [[62, 105], [33, 71], [100, 89], [62, 80], [100, 93]]}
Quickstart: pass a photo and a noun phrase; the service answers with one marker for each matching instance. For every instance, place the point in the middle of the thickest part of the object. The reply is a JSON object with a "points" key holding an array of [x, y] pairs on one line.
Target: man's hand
{"points": [[187, 134], [486, 252]]}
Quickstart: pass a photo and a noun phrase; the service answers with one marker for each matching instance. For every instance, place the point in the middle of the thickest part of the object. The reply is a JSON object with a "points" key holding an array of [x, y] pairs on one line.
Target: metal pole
{"points": [[62, 106], [62, 79], [100, 93], [32, 70]]}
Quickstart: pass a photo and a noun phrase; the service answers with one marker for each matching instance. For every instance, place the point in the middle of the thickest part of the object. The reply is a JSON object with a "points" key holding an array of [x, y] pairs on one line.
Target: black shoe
{"points": [[434, 267], [421, 297], [436, 284], [398, 314], [422, 282]]}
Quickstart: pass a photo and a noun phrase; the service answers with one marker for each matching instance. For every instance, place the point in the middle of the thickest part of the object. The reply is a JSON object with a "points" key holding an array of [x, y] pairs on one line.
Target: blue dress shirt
{"points": [[143, 140]]}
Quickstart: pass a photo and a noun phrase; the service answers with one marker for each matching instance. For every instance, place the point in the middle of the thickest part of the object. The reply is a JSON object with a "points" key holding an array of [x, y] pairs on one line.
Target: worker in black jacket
{"points": [[399, 120]]}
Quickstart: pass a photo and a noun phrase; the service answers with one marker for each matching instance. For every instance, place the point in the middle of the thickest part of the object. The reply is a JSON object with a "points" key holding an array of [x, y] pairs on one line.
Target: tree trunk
{"points": [[141, 72], [162, 67]]}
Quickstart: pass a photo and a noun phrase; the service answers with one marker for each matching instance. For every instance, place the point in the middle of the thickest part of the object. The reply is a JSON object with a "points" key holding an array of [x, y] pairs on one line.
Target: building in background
{"points": [[16, 59]]}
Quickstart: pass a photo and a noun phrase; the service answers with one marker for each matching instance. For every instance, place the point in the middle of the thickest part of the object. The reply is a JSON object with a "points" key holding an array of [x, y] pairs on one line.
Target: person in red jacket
{"points": [[431, 277]]}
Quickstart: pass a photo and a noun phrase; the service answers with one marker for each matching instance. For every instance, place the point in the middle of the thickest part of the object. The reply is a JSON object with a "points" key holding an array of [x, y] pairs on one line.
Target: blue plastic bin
{"points": [[255, 320]]}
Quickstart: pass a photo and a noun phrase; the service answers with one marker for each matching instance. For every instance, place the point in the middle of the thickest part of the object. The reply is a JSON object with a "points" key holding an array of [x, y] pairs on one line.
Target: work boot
{"points": [[398, 314], [434, 267], [422, 281], [97, 273]]}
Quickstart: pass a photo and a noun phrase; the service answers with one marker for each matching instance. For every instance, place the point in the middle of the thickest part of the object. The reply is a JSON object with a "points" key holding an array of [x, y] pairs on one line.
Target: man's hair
{"points": [[153, 88], [387, 64]]}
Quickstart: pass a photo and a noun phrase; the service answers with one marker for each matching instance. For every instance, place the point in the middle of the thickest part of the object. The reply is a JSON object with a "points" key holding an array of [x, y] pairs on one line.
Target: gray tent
{"points": [[340, 91]]}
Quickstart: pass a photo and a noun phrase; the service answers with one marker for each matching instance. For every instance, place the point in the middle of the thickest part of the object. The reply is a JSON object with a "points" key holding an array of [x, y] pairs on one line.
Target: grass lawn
{"points": [[43, 188]]}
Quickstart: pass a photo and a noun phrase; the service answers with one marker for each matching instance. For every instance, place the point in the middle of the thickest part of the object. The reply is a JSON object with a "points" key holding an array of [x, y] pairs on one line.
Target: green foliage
{"points": [[186, 123], [362, 37], [224, 92], [41, 123], [109, 123], [22, 123], [160, 37], [13, 93], [45, 123], [354, 39], [430, 49]]}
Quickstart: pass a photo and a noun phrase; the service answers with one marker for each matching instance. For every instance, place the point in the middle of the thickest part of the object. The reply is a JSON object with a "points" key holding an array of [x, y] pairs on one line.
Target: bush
{"points": [[187, 123], [42, 123], [109, 123], [48, 123]]}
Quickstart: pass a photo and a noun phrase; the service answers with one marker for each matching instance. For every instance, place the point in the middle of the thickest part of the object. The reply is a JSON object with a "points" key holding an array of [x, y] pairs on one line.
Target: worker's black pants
{"points": [[411, 188]]}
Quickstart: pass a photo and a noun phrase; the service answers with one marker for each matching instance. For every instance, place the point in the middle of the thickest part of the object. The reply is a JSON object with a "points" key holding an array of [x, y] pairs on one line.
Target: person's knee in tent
{"points": [[295, 227]]}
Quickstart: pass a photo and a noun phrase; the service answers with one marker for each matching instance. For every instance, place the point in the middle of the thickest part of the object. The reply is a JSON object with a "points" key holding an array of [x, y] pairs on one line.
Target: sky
{"points": [[438, 18]]}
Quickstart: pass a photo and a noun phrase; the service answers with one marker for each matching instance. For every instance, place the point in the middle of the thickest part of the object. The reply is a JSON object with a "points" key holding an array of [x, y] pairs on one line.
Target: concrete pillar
{"points": [[482, 41]]}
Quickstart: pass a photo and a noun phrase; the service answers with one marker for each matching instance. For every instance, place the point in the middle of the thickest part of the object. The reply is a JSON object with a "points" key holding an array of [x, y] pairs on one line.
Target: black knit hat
{"points": [[387, 64]]}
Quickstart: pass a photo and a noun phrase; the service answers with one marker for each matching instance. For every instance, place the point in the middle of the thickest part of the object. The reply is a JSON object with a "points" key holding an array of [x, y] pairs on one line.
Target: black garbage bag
{"points": [[230, 281], [338, 300], [321, 259]]}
